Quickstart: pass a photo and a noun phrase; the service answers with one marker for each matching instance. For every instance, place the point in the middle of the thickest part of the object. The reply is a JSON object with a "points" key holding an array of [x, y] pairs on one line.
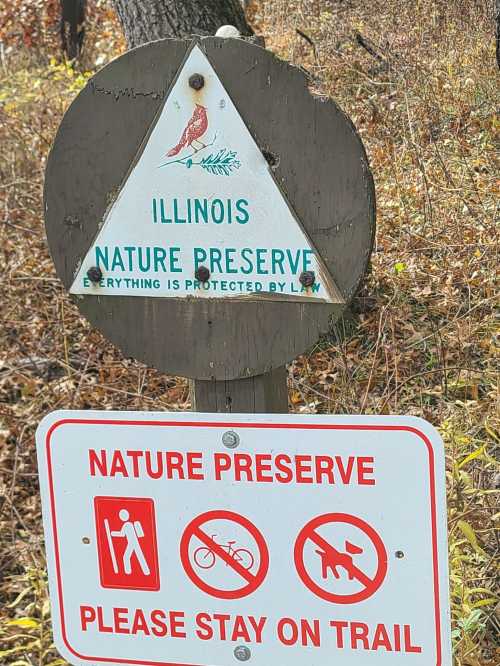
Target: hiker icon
{"points": [[334, 559], [127, 545], [132, 532]]}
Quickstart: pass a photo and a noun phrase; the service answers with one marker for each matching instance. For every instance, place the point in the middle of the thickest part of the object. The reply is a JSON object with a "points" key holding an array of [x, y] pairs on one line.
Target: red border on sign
{"points": [[253, 580], [229, 424], [306, 533]]}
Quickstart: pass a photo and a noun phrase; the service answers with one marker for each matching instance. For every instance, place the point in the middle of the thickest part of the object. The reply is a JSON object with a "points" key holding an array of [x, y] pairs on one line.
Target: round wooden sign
{"points": [[206, 212]]}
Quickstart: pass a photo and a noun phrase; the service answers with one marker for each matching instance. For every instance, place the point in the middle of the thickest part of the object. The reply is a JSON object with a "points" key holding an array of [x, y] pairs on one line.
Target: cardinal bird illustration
{"points": [[194, 130]]}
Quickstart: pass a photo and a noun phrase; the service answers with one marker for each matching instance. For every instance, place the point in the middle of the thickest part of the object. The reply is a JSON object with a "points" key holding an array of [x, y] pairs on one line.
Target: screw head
{"points": [[307, 278], [231, 439], [85, 540], [202, 274], [399, 554], [196, 81], [271, 158], [242, 653], [94, 274]]}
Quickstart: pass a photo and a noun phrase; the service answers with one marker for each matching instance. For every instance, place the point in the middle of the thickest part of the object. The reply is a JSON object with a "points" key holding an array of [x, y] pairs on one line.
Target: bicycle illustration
{"points": [[205, 556]]}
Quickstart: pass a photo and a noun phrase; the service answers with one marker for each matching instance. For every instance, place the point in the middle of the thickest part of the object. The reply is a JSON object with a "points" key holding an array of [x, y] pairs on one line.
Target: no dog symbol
{"points": [[340, 558]]}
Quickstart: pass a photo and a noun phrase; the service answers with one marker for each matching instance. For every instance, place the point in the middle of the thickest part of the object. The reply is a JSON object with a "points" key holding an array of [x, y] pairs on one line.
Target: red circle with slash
{"points": [[252, 580], [370, 585]]}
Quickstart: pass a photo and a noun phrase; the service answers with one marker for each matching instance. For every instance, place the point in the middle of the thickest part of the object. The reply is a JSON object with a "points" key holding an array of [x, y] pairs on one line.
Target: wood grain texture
{"points": [[322, 170], [266, 394]]}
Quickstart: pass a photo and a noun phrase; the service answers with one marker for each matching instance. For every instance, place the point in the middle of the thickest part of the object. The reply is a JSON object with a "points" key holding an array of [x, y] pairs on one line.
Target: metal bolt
{"points": [[196, 81], [307, 278], [242, 653], [399, 554], [85, 540], [202, 274], [271, 158], [94, 274], [231, 439]]}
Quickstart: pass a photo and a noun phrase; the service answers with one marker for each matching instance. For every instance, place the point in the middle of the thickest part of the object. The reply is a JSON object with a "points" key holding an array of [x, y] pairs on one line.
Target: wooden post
{"points": [[265, 393], [262, 393]]}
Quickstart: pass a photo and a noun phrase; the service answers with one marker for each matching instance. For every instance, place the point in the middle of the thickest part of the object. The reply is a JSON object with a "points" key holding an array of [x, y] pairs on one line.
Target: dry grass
{"points": [[422, 338]]}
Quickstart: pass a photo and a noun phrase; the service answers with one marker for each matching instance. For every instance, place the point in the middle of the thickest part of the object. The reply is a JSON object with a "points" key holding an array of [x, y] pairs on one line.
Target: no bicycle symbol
{"points": [[340, 558], [220, 550]]}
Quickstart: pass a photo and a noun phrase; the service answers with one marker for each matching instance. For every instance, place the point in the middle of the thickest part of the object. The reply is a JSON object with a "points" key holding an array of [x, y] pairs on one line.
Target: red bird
{"points": [[194, 130]]}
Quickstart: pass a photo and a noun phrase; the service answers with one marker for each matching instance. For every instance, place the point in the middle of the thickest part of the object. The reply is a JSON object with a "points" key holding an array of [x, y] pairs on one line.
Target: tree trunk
{"points": [[497, 29], [72, 27], [146, 20]]}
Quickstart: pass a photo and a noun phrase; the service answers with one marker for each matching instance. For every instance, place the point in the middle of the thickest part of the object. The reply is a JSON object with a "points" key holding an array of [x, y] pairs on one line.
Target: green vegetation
{"points": [[420, 82]]}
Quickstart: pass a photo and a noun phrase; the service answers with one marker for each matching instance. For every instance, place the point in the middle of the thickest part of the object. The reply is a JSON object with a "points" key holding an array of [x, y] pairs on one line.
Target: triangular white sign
{"points": [[201, 196]]}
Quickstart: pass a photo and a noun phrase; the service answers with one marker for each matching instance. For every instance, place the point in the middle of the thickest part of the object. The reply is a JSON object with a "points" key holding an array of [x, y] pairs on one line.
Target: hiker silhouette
{"points": [[132, 532]]}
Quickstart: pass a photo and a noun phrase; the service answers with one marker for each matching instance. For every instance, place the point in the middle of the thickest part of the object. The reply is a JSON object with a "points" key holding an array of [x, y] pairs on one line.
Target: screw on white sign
{"points": [[287, 549]]}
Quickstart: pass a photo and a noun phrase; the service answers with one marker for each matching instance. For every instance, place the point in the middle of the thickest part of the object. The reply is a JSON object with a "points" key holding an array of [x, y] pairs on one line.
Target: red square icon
{"points": [[126, 543]]}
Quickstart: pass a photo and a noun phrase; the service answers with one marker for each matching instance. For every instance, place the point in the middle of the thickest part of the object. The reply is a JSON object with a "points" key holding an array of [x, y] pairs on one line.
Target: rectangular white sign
{"points": [[196, 539]]}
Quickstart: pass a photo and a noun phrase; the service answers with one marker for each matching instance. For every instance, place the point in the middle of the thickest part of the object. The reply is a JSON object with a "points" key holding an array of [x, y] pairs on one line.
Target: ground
{"points": [[419, 79]]}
